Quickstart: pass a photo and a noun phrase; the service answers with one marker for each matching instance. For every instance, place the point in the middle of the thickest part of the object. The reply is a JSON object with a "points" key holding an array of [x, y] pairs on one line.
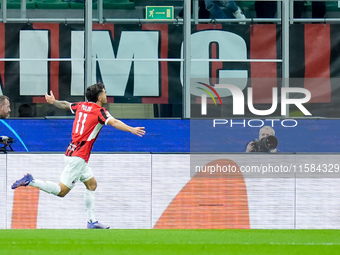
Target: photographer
{"points": [[5, 139], [267, 141], [5, 108]]}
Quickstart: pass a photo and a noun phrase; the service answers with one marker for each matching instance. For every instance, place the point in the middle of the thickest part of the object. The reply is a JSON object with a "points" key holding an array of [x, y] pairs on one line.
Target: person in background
{"points": [[217, 13], [5, 107]]}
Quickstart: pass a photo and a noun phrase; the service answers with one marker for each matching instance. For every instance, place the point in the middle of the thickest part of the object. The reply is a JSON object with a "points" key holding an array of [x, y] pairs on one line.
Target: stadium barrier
{"points": [[145, 191], [65, 4]]}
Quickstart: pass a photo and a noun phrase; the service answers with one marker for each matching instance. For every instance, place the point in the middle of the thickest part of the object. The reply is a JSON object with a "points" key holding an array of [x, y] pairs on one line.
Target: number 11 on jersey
{"points": [[84, 116]]}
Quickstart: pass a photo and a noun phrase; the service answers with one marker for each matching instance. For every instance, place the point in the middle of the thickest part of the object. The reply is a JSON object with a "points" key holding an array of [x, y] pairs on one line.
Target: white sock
{"points": [[49, 187], [89, 204]]}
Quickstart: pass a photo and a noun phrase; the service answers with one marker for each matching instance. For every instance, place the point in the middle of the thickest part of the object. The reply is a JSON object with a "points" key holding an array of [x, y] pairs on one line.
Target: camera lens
{"points": [[270, 142]]}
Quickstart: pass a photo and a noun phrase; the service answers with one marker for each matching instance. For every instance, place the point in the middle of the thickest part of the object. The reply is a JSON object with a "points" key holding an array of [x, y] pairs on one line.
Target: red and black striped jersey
{"points": [[87, 124]]}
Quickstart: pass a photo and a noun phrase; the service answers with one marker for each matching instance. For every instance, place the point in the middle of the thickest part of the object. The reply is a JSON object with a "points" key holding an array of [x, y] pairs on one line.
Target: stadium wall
{"points": [[177, 135], [157, 190]]}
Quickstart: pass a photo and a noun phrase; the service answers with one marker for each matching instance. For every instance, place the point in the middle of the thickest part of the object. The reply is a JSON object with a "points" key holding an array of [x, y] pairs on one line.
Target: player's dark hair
{"points": [[92, 92]]}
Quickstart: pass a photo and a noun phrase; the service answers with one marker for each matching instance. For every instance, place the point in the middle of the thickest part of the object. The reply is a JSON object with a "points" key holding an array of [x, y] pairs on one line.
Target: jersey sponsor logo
{"points": [[71, 147]]}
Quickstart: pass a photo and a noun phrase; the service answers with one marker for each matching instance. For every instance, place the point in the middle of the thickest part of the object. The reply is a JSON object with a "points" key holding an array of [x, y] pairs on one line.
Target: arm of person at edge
{"points": [[112, 121]]}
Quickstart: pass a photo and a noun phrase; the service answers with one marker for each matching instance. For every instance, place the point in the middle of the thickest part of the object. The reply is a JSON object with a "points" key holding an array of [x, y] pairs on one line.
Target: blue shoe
{"points": [[94, 225], [24, 181]]}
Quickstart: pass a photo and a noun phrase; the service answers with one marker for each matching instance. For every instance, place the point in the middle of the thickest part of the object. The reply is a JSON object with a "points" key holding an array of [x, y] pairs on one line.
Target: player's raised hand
{"points": [[138, 131], [50, 98]]}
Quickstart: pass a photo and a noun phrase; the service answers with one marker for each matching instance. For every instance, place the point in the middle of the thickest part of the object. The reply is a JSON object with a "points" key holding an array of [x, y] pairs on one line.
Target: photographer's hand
{"points": [[250, 147]]}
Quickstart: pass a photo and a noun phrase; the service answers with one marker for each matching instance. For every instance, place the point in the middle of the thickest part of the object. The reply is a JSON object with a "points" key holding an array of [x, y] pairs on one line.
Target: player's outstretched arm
{"points": [[60, 104], [122, 126]]}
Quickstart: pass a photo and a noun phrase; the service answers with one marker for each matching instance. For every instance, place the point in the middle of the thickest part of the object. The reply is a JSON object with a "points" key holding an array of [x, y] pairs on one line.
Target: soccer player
{"points": [[90, 118]]}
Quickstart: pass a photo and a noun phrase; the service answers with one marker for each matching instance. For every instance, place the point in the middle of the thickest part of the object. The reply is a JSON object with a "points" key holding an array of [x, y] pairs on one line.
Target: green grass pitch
{"points": [[118, 241]]}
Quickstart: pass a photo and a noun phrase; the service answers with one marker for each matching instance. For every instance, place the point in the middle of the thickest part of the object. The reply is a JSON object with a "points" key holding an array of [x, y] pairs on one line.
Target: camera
{"points": [[6, 139], [265, 144], [7, 142]]}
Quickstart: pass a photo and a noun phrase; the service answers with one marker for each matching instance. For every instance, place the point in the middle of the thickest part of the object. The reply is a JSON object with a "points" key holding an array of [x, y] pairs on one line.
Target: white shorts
{"points": [[76, 169]]}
